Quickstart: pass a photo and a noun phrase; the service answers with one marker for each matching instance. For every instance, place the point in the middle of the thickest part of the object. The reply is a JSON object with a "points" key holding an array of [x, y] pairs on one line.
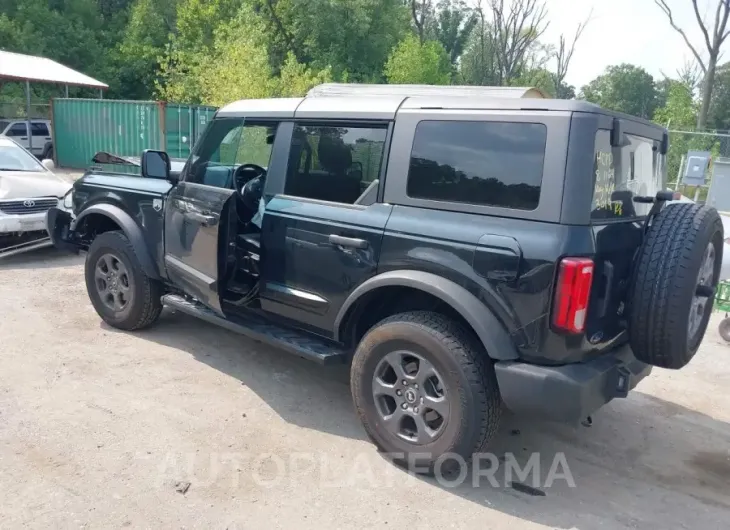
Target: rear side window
{"points": [[484, 163], [39, 129], [620, 173], [18, 129]]}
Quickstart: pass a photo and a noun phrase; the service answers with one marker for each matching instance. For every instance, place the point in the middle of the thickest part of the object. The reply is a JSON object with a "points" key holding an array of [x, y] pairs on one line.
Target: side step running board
{"points": [[286, 339]]}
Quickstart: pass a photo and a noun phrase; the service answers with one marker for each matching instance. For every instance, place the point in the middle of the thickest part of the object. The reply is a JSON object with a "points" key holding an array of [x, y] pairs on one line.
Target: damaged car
{"points": [[27, 190]]}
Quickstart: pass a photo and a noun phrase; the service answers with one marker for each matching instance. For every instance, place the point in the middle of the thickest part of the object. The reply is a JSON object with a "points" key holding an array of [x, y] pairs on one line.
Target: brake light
{"points": [[572, 294]]}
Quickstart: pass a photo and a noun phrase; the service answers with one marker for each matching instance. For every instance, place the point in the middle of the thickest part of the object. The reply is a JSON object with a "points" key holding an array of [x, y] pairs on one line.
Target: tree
{"points": [[421, 11], [453, 25], [712, 42], [419, 63], [136, 58], [351, 37], [215, 64], [625, 88], [514, 30], [719, 115], [563, 56], [680, 109], [478, 65], [539, 78]]}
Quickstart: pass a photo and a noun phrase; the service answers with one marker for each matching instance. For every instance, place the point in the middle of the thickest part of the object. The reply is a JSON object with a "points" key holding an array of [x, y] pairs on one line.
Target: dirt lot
{"points": [[100, 429]]}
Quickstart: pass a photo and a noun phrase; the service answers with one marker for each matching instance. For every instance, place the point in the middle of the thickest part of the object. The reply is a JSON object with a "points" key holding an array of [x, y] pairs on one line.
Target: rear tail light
{"points": [[572, 294]]}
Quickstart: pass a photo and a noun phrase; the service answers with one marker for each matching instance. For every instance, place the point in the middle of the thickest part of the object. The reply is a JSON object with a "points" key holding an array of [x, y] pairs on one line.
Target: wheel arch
{"points": [[127, 225], [483, 323]]}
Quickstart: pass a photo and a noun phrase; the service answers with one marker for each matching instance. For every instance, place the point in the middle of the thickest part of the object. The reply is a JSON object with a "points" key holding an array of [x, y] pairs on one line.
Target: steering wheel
{"points": [[245, 173], [249, 181]]}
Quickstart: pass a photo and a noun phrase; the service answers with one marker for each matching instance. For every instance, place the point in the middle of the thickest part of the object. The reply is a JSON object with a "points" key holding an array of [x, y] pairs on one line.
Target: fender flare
{"points": [[490, 331], [130, 228]]}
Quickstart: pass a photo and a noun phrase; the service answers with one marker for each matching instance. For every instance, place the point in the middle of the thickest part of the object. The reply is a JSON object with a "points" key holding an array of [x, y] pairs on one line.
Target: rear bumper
{"points": [[58, 222], [570, 392]]}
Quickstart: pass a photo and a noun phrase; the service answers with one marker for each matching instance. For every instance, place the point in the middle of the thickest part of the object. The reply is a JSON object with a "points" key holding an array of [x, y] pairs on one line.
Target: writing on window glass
{"points": [[606, 184]]}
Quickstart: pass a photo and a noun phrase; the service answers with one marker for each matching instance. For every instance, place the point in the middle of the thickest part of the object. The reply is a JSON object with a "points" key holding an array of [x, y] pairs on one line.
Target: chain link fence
{"points": [[16, 109]]}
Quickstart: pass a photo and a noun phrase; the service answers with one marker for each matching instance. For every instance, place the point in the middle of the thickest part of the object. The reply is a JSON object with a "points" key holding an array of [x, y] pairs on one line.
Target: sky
{"points": [[632, 31]]}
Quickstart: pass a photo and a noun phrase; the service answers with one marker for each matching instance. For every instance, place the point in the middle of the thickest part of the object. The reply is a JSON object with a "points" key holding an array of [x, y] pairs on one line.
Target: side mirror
{"points": [[48, 164], [155, 164]]}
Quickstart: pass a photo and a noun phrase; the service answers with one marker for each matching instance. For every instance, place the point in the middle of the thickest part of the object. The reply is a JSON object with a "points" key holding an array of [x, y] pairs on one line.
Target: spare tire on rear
{"points": [[672, 292]]}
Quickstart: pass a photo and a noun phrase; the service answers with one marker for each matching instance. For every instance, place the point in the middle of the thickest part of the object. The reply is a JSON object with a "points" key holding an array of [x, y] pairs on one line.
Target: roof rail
{"points": [[356, 89]]}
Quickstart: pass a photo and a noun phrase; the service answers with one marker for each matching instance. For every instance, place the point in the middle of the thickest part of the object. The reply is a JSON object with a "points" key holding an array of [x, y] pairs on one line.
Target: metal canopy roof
{"points": [[21, 67]]}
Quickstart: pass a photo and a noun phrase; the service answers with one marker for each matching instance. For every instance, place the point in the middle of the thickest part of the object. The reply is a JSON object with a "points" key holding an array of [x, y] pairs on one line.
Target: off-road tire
{"points": [[145, 306], [475, 403], [665, 282]]}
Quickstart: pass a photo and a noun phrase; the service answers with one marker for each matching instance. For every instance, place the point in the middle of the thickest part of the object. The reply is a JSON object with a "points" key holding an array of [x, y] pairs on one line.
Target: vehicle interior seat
{"points": [[336, 181]]}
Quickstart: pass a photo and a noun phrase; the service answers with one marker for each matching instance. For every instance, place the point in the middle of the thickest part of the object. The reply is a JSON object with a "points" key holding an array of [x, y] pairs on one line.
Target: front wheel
{"points": [[425, 390], [120, 291]]}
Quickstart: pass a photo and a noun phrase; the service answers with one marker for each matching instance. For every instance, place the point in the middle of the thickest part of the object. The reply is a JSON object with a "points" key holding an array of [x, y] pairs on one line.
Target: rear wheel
{"points": [[425, 390], [674, 284], [120, 291]]}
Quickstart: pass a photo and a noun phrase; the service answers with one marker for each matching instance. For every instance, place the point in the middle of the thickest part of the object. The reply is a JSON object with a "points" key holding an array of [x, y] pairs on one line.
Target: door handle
{"points": [[348, 241], [205, 220], [23, 137]]}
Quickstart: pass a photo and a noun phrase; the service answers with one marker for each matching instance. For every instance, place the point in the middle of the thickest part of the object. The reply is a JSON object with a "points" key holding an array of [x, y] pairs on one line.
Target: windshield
{"points": [[227, 144], [15, 158], [3, 125]]}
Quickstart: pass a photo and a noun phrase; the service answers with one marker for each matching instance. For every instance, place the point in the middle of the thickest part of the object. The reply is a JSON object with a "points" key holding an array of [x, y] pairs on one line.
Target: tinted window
{"points": [[18, 129], [486, 163], [227, 144], [619, 173], [39, 129], [335, 164]]}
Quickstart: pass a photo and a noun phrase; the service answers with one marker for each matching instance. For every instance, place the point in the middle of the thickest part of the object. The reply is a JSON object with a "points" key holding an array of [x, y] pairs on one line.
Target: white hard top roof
{"points": [[375, 102], [19, 67]]}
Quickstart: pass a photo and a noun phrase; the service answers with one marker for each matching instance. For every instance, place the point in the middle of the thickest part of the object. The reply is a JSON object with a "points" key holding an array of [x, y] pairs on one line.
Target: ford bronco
{"points": [[464, 250]]}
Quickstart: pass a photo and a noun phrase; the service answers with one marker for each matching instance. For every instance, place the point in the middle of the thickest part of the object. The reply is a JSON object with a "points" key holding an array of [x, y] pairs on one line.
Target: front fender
{"points": [[490, 331], [130, 228]]}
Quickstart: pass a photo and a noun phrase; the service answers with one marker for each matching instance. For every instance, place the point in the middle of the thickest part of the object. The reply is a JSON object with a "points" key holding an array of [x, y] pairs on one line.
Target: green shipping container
{"points": [[83, 127], [184, 125]]}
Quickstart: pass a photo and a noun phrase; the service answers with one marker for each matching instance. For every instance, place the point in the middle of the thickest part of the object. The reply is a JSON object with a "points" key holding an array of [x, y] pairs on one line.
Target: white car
{"points": [[18, 131], [27, 190]]}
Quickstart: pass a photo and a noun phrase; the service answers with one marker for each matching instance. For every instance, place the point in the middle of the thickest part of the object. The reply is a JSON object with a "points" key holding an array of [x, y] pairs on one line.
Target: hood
{"points": [[103, 157], [28, 184]]}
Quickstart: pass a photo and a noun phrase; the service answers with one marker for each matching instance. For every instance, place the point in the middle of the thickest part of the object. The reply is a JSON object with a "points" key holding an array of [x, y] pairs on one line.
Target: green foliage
{"points": [[418, 63], [719, 115], [215, 51], [680, 109], [625, 88], [680, 113], [478, 65], [352, 37], [135, 60], [538, 78], [453, 25], [231, 63]]}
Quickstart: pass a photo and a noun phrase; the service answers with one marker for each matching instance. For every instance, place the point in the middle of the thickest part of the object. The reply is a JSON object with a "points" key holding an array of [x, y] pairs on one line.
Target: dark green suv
{"points": [[464, 249]]}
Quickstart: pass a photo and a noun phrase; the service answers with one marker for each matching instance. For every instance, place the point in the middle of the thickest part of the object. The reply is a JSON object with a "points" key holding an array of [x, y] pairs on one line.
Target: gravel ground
{"points": [[188, 426]]}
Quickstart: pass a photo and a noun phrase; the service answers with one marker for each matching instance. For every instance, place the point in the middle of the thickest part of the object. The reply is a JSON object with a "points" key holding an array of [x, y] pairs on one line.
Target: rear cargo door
{"points": [[620, 172]]}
